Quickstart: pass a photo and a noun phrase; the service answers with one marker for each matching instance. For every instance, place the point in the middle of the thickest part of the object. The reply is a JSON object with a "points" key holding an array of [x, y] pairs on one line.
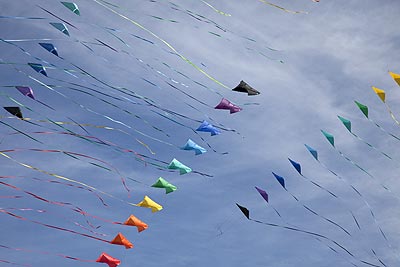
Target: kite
{"points": [[363, 108], [207, 127], [262, 193], [61, 27], [245, 88], [49, 47], [26, 91], [244, 210], [133, 221], [280, 180], [176, 165], [190, 145], [149, 203], [380, 93], [119, 239], [296, 165], [313, 152], [38, 68], [105, 258], [329, 137], [72, 6], [16, 111], [396, 77], [162, 183], [226, 104]]}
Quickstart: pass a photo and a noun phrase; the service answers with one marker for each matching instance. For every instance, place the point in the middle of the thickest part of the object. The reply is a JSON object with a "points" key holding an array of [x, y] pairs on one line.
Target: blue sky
{"points": [[309, 68]]}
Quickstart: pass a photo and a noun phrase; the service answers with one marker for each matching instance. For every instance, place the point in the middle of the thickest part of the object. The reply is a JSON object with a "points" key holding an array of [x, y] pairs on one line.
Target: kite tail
{"points": [[317, 214], [392, 114], [371, 146], [365, 171], [57, 203], [66, 179], [315, 235], [282, 8], [319, 186], [164, 42], [355, 220], [353, 216], [15, 129], [326, 219], [14, 263], [295, 226], [45, 253], [381, 128], [361, 197], [373, 251], [63, 217], [216, 10], [53, 226], [97, 113], [76, 156]]}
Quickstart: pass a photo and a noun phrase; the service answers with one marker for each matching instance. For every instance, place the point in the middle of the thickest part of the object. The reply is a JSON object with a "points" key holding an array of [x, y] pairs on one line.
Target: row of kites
{"points": [[331, 243], [42, 67]]}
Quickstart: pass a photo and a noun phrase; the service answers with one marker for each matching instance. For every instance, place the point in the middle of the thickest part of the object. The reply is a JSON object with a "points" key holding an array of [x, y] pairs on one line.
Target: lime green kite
{"points": [[162, 183]]}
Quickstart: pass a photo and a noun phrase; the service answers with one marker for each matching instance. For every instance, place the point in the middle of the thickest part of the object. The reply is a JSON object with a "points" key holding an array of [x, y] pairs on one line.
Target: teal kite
{"points": [[73, 7], [38, 68], [61, 27], [345, 122], [176, 165], [162, 183], [329, 137]]}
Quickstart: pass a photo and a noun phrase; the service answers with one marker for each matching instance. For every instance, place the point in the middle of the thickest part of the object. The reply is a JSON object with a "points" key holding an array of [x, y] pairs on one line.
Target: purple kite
{"points": [[26, 91], [226, 104], [262, 193]]}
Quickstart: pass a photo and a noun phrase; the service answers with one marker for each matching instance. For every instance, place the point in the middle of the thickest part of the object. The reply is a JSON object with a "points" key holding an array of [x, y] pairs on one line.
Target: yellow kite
{"points": [[380, 93], [396, 77], [149, 203]]}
